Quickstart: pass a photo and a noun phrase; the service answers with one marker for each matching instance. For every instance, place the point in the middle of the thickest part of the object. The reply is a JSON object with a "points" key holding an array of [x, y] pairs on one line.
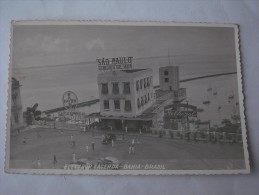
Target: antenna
{"points": [[169, 57]]}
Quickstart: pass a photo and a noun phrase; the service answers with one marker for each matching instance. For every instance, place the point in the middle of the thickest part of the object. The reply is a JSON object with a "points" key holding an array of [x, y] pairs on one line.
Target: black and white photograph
{"points": [[134, 98]]}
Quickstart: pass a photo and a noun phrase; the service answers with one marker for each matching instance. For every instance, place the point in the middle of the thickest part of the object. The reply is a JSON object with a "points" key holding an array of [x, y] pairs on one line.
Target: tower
{"points": [[169, 78], [16, 106]]}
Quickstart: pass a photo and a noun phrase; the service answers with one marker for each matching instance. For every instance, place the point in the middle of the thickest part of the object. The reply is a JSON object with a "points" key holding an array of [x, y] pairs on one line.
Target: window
{"points": [[127, 105], [117, 105], [137, 85], [115, 88], [126, 88], [104, 88], [14, 97], [141, 82], [16, 118], [145, 83], [142, 101], [148, 83], [166, 72], [151, 80], [138, 103], [145, 99], [148, 97], [106, 105], [166, 80]]}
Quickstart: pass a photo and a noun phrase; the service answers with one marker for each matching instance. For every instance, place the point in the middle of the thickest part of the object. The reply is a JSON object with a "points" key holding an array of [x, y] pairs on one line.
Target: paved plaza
{"points": [[43, 144]]}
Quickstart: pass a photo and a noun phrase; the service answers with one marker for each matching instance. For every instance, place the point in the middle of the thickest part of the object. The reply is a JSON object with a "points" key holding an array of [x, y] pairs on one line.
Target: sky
{"points": [[51, 59], [52, 45]]}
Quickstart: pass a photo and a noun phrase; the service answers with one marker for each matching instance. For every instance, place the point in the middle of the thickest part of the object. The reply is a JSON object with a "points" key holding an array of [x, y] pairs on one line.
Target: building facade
{"points": [[169, 78], [180, 117], [125, 93], [16, 106]]}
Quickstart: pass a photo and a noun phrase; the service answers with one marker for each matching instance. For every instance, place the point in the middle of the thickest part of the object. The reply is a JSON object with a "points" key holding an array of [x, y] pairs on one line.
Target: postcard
{"points": [[125, 98]]}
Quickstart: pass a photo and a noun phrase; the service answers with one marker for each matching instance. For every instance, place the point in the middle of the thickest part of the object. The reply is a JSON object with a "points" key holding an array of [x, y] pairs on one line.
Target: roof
{"points": [[132, 70], [130, 73], [142, 117]]}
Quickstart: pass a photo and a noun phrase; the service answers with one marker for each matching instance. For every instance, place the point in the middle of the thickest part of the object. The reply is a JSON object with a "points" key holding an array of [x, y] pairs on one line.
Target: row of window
{"points": [[117, 106], [140, 84], [144, 100], [143, 83], [115, 88]]}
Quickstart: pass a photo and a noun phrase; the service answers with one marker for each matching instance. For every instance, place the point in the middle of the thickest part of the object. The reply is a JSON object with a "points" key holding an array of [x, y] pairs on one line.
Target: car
{"points": [[108, 138]]}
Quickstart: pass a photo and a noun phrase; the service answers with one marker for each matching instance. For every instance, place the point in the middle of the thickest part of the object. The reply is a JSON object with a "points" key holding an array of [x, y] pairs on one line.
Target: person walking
{"points": [[24, 140], [132, 149], [55, 160], [126, 129], [74, 157], [38, 163], [86, 148], [92, 146], [72, 140], [140, 131], [112, 143], [129, 149], [132, 142]]}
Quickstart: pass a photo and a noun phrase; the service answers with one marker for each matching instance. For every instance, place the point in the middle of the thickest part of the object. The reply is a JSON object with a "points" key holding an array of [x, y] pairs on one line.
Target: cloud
{"points": [[95, 45], [42, 45]]}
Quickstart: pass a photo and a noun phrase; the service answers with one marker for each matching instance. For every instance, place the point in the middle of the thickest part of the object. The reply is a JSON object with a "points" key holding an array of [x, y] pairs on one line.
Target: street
{"points": [[43, 144]]}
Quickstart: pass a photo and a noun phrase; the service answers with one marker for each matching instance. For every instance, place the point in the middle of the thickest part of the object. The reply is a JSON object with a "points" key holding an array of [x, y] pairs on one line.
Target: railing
{"points": [[205, 136], [59, 125]]}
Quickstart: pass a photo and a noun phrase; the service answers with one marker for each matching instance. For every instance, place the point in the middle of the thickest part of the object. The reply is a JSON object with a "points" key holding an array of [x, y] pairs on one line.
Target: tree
{"points": [[31, 114], [228, 126]]}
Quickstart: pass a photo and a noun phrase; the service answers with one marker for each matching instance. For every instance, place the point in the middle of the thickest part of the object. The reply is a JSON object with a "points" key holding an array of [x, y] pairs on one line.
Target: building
{"points": [[169, 93], [16, 106], [182, 116], [169, 78], [124, 96]]}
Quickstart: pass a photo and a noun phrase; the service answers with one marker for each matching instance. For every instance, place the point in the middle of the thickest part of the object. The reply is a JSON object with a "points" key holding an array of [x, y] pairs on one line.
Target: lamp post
{"points": [[187, 116]]}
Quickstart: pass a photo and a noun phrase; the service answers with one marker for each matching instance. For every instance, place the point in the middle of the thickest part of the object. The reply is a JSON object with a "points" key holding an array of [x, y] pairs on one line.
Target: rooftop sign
{"points": [[110, 64]]}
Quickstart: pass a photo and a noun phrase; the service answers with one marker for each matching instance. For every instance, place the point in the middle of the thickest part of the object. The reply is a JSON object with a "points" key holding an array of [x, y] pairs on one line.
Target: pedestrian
{"points": [[74, 157], [126, 129], [129, 149], [112, 143], [132, 149], [71, 139], [55, 160], [111, 128], [92, 146], [140, 131], [24, 140], [38, 135], [86, 148], [38, 163], [132, 142]]}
